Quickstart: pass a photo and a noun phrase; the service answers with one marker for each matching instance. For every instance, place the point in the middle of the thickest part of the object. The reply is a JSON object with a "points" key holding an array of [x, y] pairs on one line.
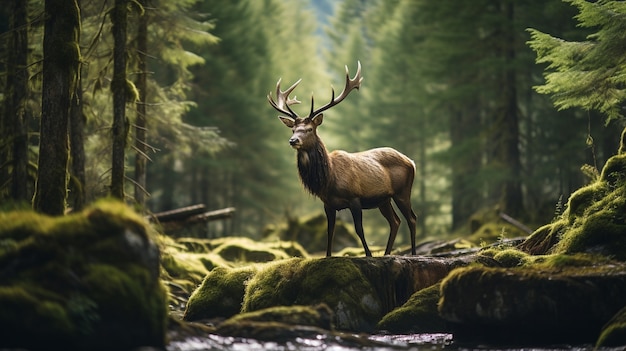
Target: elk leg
{"points": [[331, 215], [404, 205], [394, 223], [357, 216]]}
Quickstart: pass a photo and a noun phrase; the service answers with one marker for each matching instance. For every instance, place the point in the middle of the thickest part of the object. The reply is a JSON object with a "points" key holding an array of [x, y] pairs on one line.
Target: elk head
{"points": [[305, 129]]}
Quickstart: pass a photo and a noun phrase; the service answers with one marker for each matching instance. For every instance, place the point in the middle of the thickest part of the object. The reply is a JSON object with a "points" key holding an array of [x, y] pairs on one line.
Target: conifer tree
{"points": [[590, 73], [60, 70]]}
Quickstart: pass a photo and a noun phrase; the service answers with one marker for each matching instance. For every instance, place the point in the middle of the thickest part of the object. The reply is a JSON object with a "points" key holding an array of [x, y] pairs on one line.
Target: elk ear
{"points": [[287, 121], [317, 120]]}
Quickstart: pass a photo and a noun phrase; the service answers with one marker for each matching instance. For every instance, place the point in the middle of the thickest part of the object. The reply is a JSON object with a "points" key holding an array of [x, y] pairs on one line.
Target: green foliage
{"points": [[589, 74]]}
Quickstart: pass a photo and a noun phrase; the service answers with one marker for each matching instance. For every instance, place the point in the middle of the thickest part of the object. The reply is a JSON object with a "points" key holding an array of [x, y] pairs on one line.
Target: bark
{"points": [[505, 132], [77, 149], [466, 195], [119, 87], [15, 127], [60, 68], [140, 123]]}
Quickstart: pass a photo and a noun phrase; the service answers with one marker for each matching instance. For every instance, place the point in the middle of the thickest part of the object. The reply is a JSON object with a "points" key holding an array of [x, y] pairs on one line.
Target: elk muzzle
{"points": [[295, 142]]}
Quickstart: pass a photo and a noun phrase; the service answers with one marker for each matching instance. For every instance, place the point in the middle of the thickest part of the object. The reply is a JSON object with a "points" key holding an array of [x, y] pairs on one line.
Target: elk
{"points": [[362, 180]]}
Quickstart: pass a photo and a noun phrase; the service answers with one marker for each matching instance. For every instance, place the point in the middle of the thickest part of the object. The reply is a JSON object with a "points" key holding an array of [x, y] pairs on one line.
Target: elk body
{"points": [[357, 181]]}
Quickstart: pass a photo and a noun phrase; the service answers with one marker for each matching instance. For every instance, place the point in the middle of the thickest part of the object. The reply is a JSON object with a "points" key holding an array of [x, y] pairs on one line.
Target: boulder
{"points": [[359, 291], [536, 304], [84, 281], [220, 295]]}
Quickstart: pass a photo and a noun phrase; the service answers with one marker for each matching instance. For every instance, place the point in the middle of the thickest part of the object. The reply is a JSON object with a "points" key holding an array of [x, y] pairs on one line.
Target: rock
{"points": [[418, 315], [614, 332], [594, 221], [277, 323], [537, 304], [84, 281], [358, 290], [220, 295]]}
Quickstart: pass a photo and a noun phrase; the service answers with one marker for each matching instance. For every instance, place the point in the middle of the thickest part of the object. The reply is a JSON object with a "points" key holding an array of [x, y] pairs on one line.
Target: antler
{"points": [[282, 105], [353, 83]]}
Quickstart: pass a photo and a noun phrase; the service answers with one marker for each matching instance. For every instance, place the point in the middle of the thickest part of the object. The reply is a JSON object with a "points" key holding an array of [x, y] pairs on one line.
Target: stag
{"points": [[362, 180]]}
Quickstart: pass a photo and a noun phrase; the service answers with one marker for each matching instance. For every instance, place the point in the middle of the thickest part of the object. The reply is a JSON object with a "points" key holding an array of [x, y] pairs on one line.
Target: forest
{"points": [[164, 103]]}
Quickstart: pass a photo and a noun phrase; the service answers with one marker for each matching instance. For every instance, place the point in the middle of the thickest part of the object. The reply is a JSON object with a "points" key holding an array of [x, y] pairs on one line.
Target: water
{"points": [[353, 342]]}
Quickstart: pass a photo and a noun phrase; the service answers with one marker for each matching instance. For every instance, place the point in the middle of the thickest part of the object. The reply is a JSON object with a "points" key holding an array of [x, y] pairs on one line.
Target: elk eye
{"points": [[309, 130]]}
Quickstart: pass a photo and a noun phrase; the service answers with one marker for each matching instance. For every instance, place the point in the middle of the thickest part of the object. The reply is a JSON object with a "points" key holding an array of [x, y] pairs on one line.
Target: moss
{"points": [[336, 281], [601, 230], [245, 250], [318, 316], [583, 198], [527, 304], [511, 257], [418, 315], [614, 170], [614, 332], [91, 279], [220, 294], [556, 261]]}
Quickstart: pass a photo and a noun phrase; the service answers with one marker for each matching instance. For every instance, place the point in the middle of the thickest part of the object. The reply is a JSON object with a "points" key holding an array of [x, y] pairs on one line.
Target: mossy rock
{"points": [[583, 198], [551, 302], [614, 171], [84, 281], [280, 320], [335, 281], [245, 250], [418, 315], [614, 332], [594, 221], [220, 295], [360, 290]]}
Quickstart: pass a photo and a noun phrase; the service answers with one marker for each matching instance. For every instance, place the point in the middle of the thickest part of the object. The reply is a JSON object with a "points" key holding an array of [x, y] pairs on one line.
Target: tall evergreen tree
{"points": [[60, 70], [122, 92], [141, 142], [14, 122]]}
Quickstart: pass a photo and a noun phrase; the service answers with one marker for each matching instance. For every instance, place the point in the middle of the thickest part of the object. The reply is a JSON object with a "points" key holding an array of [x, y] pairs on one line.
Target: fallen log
{"points": [[178, 214]]}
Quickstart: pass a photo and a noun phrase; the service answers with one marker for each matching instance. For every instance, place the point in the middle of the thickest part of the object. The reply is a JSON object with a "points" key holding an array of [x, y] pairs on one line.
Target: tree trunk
{"points": [[60, 69], [466, 192], [140, 123], [77, 149], [503, 150], [119, 87], [14, 103]]}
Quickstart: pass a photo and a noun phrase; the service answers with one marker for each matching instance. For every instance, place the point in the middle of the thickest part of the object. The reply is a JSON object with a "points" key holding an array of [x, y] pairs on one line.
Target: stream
{"points": [[353, 342]]}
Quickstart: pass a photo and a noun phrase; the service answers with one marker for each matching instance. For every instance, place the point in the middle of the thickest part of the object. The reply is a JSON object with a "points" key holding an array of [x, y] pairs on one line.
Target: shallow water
{"points": [[414, 342]]}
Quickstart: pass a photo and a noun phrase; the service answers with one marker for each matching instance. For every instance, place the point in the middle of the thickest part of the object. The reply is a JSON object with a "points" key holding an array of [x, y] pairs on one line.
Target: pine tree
{"points": [[60, 69], [589, 74]]}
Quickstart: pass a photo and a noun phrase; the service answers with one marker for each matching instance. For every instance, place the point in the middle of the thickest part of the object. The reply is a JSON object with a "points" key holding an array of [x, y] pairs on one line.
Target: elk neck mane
{"points": [[314, 168]]}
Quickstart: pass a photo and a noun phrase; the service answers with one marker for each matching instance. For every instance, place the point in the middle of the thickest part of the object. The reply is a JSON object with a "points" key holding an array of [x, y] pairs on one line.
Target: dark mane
{"points": [[313, 167]]}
